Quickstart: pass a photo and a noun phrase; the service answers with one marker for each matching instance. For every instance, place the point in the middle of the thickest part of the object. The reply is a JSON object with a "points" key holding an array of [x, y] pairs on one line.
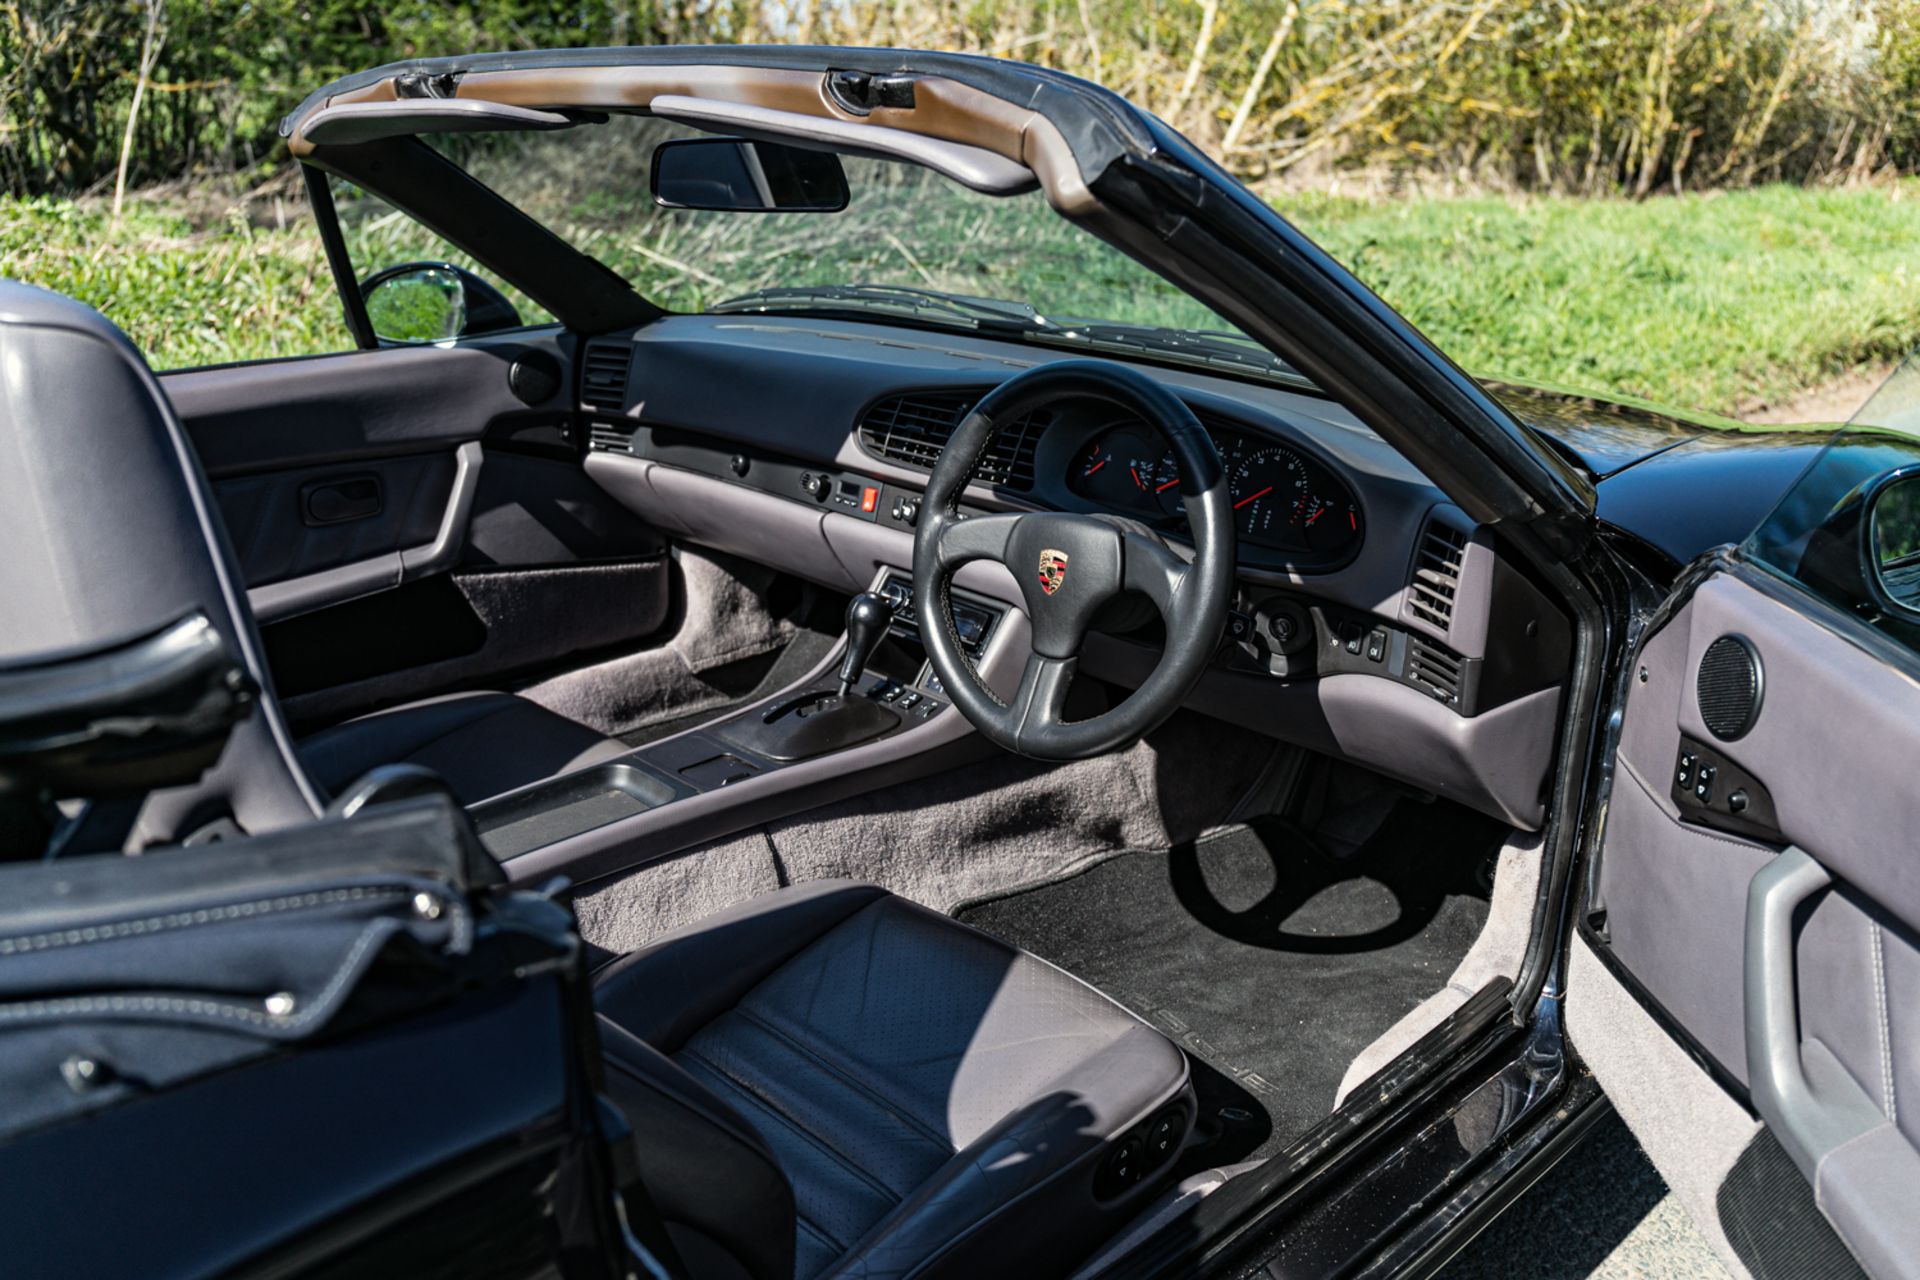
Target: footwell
{"points": [[1269, 961]]}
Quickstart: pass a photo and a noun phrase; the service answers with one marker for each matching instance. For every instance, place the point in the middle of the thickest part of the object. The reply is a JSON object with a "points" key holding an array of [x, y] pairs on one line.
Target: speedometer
{"points": [[1269, 488], [1288, 505]]}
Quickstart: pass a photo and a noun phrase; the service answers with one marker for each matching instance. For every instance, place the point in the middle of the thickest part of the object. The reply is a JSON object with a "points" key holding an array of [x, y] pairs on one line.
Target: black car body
{"points": [[347, 1027]]}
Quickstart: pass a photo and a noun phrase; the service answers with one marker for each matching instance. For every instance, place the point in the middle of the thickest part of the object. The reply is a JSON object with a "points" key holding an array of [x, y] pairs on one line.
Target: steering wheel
{"points": [[1069, 565]]}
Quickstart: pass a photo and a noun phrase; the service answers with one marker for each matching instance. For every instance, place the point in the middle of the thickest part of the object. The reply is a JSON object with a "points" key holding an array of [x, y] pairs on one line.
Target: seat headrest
{"points": [[108, 523]]}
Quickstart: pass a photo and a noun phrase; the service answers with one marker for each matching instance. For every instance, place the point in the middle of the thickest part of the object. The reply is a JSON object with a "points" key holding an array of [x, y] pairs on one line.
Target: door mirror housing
{"points": [[735, 175], [432, 302], [1893, 541]]}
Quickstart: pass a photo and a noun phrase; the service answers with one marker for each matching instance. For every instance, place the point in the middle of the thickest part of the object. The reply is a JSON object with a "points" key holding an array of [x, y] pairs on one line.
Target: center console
{"points": [[881, 688]]}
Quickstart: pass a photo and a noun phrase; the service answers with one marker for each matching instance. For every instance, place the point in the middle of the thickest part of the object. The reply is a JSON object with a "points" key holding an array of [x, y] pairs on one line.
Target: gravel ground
{"points": [[1603, 1213]]}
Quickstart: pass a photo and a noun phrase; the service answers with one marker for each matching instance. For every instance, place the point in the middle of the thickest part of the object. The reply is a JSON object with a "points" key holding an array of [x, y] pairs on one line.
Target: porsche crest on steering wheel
{"points": [[1053, 570]]}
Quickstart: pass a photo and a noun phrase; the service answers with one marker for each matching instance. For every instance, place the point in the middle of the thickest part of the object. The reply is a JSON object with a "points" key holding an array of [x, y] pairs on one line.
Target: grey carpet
{"points": [[1269, 960], [987, 828], [719, 617]]}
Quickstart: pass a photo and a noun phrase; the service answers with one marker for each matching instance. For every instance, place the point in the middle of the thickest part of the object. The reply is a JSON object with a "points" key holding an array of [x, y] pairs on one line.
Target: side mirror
{"points": [[730, 175], [1893, 541], [433, 301]]}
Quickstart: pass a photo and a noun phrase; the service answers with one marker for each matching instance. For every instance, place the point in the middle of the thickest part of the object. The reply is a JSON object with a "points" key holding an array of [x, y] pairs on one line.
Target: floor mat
{"points": [[1270, 962]]}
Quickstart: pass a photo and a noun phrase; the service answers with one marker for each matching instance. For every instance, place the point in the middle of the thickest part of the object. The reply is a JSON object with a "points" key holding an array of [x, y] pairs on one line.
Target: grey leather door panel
{"points": [[1676, 898], [285, 414], [348, 482], [270, 521], [383, 569], [1793, 967]]}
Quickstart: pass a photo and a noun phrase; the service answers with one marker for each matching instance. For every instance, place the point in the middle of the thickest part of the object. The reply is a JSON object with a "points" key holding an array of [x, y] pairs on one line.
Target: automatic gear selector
{"points": [[869, 614]]}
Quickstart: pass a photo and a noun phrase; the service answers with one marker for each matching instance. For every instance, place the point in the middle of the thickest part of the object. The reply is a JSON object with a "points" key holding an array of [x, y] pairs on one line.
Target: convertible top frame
{"points": [[1101, 162]]}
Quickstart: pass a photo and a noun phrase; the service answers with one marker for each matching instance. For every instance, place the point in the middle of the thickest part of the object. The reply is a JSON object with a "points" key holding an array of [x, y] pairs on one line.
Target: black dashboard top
{"points": [[1319, 496]]}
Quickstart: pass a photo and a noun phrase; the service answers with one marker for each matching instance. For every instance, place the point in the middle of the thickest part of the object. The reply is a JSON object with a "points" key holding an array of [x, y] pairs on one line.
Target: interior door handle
{"points": [[279, 600], [339, 499], [1810, 1118]]}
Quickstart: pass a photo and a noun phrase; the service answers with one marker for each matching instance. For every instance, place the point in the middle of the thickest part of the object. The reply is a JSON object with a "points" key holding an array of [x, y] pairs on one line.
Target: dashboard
{"points": [[1371, 619], [1284, 497]]}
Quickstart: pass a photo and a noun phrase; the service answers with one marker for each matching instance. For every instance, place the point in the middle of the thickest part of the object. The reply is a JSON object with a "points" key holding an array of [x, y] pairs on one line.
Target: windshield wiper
{"points": [[1203, 346], [1211, 347], [981, 313]]}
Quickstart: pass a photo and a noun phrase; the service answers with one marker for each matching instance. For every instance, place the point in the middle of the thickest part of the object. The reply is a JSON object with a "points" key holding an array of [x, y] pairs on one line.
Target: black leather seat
{"points": [[830, 1080], [481, 743]]}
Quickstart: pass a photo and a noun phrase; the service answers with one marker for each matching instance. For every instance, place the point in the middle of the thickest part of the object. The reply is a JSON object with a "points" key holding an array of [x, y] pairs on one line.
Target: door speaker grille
{"points": [[1728, 686]]}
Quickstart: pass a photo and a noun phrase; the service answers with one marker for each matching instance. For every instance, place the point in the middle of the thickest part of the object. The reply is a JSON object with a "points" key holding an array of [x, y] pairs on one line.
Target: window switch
{"points": [[1703, 784]]}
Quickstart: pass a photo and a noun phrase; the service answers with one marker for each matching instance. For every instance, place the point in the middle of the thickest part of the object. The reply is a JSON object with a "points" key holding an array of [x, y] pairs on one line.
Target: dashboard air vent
{"points": [[611, 437], [1433, 668], [1436, 574], [603, 375], [914, 429]]}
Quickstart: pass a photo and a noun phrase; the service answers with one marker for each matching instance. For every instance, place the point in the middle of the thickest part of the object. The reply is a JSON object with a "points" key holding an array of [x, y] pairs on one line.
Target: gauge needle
{"points": [[1255, 497], [1096, 466], [1315, 516], [1168, 485], [1136, 477]]}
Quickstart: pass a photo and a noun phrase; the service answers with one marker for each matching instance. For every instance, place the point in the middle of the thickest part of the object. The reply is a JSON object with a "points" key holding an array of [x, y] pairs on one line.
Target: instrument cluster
{"points": [[1283, 497]]}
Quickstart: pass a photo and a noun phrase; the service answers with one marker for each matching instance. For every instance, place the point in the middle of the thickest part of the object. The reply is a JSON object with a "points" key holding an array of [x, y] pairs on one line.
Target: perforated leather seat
{"points": [[830, 1080]]}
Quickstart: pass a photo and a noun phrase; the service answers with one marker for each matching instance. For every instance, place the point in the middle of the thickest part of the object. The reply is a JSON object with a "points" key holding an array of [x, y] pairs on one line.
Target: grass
{"points": [[186, 293], [1708, 302], [1702, 301]]}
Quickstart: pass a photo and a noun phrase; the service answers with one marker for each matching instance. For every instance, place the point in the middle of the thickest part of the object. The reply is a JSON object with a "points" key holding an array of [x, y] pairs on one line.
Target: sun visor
{"points": [[974, 167]]}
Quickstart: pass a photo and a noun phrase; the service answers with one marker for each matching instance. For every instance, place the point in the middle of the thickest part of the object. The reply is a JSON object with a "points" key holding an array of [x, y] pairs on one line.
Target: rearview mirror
{"points": [[433, 301], [730, 175], [1893, 541]]}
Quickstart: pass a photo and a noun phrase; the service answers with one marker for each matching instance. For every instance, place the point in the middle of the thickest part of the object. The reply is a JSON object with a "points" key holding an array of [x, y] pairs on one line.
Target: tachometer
{"points": [[1269, 488]]}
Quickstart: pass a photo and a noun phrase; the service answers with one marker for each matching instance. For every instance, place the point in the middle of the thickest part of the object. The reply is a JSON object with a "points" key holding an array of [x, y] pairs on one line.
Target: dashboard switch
{"points": [[1376, 646], [869, 499], [814, 486]]}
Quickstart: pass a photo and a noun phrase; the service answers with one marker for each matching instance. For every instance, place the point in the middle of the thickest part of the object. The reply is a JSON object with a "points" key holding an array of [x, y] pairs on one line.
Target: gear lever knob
{"points": [[868, 617]]}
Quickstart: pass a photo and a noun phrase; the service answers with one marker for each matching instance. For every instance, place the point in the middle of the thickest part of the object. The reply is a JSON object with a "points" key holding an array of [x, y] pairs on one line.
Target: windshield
{"points": [[1895, 406], [910, 247], [1849, 528]]}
